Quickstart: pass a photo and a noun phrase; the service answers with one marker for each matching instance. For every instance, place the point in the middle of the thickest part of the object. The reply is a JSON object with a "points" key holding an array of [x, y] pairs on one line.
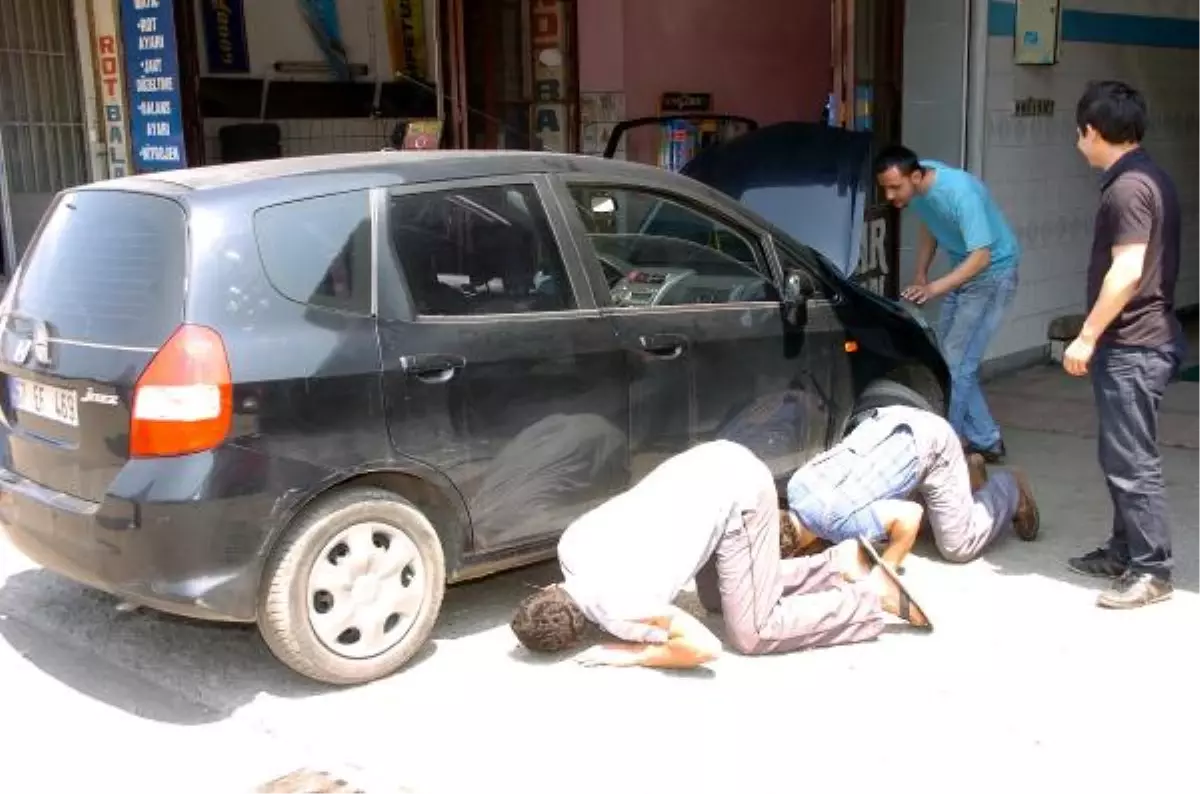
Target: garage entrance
{"points": [[42, 147]]}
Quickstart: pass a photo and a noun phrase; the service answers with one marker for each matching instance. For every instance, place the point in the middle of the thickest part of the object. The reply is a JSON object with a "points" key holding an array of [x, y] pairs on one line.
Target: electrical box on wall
{"points": [[1035, 40]]}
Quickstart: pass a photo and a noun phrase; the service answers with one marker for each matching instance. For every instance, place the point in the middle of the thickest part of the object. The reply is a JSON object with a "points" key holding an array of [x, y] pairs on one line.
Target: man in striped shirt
{"points": [[859, 489]]}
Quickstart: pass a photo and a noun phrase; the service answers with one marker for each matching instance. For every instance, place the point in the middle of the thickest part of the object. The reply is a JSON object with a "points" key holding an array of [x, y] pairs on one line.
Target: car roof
{"points": [[289, 176]]}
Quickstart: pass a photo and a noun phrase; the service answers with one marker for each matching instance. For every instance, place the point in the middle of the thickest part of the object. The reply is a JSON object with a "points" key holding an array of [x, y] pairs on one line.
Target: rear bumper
{"points": [[164, 536]]}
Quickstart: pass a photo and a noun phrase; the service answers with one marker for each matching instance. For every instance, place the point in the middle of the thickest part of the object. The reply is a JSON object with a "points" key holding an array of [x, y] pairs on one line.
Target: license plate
{"points": [[48, 402]]}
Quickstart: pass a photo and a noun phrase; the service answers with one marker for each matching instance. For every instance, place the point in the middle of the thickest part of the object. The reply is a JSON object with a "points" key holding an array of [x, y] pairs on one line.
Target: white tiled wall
{"points": [[1046, 189], [311, 136]]}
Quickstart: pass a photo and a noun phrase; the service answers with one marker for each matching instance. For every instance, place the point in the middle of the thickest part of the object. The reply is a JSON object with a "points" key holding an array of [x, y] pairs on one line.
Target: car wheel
{"points": [[352, 591], [885, 392]]}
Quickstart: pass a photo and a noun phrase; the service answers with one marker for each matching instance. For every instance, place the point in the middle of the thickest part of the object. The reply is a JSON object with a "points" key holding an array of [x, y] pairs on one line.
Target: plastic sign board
{"points": [[155, 98], [225, 44], [1035, 41], [110, 77]]}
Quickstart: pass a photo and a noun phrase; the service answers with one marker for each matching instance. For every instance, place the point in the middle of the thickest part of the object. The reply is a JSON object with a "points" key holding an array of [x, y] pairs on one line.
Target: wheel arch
{"points": [[428, 490], [923, 381]]}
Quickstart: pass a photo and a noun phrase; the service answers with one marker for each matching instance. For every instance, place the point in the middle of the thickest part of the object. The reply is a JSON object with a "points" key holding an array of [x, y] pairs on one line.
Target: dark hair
{"points": [[902, 158], [549, 621], [789, 538], [1115, 110]]}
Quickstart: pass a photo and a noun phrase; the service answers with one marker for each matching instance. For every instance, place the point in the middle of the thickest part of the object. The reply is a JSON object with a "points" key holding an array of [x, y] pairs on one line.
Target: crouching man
{"points": [[713, 507], [859, 488]]}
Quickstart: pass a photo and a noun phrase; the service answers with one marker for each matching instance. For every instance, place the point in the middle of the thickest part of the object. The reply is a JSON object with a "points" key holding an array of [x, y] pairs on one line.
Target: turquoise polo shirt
{"points": [[962, 216]]}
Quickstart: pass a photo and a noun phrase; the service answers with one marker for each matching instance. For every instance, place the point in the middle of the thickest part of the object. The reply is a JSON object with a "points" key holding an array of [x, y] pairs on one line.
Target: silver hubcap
{"points": [[365, 590]]}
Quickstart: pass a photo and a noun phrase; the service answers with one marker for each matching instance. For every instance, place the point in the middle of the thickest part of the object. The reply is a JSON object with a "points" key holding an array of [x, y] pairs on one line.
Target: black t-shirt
{"points": [[1138, 204]]}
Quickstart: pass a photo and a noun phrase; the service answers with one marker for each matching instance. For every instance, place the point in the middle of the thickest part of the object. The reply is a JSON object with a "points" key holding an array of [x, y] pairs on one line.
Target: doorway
{"points": [[41, 117], [868, 50], [513, 65]]}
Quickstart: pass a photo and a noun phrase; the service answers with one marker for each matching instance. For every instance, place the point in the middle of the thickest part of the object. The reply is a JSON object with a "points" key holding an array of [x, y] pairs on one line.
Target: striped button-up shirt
{"points": [[834, 494]]}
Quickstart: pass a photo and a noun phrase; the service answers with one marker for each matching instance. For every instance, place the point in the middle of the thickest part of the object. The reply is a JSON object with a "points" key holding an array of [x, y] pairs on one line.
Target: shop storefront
{"points": [[42, 131]]}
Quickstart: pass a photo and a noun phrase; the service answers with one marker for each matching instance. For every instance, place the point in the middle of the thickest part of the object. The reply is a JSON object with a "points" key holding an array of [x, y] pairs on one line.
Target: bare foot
{"points": [[894, 601], [852, 561], [977, 470]]}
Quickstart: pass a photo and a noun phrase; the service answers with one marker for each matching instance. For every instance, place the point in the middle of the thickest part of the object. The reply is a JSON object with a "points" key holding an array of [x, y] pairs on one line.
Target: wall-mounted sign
{"points": [[551, 110], [685, 102], [1031, 106], [422, 134], [111, 78], [599, 112], [225, 36], [152, 64], [1035, 39], [405, 21]]}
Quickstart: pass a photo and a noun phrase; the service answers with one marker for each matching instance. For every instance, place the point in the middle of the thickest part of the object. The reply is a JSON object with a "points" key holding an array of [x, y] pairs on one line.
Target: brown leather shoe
{"points": [[1026, 521], [977, 467]]}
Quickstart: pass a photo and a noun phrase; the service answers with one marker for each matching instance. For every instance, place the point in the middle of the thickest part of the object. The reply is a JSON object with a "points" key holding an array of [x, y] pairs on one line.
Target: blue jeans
{"points": [[970, 316], [1129, 383]]}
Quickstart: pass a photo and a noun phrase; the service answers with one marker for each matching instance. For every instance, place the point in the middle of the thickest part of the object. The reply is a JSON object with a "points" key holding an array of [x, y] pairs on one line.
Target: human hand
{"points": [[1078, 355], [609, 656], [919, 293]]}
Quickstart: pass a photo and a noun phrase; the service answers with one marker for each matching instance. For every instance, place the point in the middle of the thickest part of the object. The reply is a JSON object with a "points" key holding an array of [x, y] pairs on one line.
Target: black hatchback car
{"points": [[310, 392]]}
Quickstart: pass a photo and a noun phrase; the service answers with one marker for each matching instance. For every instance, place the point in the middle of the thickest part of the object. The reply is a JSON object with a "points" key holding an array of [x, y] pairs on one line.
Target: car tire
{"points": [[371, 531], [884, 392]]}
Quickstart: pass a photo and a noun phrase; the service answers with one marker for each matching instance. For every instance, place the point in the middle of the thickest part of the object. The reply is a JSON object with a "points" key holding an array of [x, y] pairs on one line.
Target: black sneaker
{"points": [[1134, 590], [1097, 563]]}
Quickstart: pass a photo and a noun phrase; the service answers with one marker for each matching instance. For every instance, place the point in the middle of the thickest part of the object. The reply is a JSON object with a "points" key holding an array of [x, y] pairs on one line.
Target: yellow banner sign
{"points": [[405, 21]]}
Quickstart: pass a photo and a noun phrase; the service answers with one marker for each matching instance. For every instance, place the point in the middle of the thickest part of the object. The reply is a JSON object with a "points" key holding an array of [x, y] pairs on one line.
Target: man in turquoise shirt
{"points": [[959, 216]]}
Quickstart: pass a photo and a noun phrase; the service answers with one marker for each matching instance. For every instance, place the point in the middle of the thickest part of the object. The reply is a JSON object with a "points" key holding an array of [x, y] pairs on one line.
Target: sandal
{"points": [[909, 609]]}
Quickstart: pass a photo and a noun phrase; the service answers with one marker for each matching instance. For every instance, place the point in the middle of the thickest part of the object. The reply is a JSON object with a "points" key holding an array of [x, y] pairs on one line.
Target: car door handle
{"points": [[665, 346], [432, 368]]}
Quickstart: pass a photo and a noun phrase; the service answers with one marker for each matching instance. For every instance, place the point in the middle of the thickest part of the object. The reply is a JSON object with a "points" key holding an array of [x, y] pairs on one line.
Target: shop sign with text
{"points": [[111, 79], [551, 109], [152, 64], [225, 36]]}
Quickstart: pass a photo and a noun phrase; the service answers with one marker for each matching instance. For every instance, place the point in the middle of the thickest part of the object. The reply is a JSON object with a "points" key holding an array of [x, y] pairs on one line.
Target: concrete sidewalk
{"points": [[1024, 684], [1046, 399]]}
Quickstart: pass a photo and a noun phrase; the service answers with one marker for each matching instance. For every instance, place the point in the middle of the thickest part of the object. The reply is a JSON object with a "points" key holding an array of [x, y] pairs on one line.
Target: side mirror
{"points": [[797, 289]]}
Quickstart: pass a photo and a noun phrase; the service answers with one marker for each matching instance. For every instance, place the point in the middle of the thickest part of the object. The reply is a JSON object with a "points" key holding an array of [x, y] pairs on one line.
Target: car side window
{"points": [[477, 251], [317, 251], [658, 251]]}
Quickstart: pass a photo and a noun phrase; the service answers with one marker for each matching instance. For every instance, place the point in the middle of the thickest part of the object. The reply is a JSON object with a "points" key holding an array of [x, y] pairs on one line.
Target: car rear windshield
{"points": [[107, 268]]}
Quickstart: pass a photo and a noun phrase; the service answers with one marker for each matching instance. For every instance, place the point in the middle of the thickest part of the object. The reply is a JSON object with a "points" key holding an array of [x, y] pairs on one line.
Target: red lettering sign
{"points": [[108, 45], [545, 26]]}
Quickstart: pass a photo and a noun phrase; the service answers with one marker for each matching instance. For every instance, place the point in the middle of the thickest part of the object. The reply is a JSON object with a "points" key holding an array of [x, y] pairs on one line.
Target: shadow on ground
{"points": [[1076, 516], [190, 672]]}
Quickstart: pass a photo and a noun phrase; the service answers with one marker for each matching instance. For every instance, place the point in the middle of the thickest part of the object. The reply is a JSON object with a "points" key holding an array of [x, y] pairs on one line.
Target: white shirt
{"points": [[630, 557]]}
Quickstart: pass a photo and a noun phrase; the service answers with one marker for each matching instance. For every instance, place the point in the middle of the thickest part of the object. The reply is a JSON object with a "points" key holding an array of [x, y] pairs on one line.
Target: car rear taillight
{"points": [[183, 401]]}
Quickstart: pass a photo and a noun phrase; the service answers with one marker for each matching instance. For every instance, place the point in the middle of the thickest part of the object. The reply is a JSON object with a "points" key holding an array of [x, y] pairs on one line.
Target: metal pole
{"points": [[437, 61], [977, 107], [6, 217]]}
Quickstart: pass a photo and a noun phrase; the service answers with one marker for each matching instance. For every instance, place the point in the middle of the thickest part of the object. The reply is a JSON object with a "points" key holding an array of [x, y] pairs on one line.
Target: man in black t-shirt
{"points": [[1131, 340]]}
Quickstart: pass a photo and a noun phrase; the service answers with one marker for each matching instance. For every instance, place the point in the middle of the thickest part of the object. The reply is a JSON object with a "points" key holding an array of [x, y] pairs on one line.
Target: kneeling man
{"points": [[714, 511], [859, 488]]}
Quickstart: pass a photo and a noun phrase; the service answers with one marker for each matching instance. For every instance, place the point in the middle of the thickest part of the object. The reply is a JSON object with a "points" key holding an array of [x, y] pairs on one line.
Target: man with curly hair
{"points": [[710, 513]]}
